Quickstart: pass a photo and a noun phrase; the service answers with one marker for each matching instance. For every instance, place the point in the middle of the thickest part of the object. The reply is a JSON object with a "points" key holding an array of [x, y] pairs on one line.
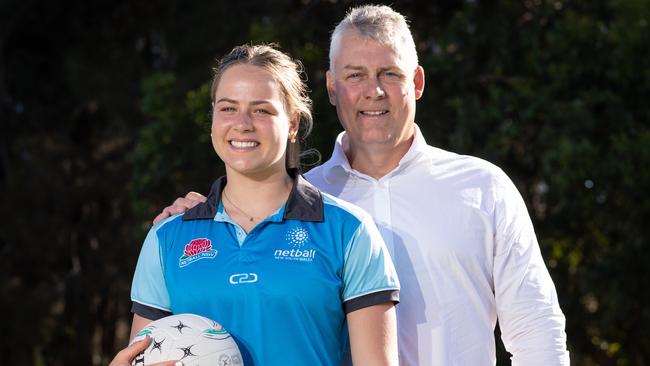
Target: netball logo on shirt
{"points": [[197, 249], [296, 238]]}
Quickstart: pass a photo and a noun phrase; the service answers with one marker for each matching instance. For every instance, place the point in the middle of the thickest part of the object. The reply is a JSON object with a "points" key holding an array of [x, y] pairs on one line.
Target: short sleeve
{"points": [[148, 287], [369, 275]]}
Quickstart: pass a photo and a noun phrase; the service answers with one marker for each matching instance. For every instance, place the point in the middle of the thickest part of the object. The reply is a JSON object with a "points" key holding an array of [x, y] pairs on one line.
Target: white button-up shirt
{"points": [[465, 252]]}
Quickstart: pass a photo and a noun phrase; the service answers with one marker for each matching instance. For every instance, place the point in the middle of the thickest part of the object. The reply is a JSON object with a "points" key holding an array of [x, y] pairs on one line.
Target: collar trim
{"points": [[338, 164], [305, 202]]}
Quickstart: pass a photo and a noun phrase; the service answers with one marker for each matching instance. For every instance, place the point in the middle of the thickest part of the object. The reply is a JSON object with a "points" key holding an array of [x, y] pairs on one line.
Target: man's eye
{"points": [[227, 109], [391, 75], [354, 76]]}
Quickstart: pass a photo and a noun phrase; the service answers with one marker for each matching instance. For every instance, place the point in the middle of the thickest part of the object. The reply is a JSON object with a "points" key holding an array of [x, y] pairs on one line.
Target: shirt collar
{"points": [[339, 164], [305, 202]]}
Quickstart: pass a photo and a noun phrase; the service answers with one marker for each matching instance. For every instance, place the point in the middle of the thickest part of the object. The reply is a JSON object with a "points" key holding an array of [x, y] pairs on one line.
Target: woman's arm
{"points": [[373, 335], [137, 324]]}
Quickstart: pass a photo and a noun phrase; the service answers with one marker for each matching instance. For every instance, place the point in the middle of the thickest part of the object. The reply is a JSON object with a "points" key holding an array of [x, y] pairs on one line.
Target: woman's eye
{"points": [[227, 109], [262, 111]]}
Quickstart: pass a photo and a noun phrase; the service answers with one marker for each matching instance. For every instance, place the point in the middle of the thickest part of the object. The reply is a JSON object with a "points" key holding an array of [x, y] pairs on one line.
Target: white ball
{"points": [[192, 339]]}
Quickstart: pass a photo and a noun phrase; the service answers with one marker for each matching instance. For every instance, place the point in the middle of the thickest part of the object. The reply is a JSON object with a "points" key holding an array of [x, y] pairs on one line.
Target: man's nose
{"points": [[374, 89]]}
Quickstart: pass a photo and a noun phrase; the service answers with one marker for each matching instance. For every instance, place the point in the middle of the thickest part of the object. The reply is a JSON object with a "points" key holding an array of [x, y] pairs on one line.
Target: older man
{"points": [[456, 226]]}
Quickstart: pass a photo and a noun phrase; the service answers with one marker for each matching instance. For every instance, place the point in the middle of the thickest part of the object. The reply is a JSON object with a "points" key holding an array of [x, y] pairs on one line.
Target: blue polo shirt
{"points": [[283, 290]]}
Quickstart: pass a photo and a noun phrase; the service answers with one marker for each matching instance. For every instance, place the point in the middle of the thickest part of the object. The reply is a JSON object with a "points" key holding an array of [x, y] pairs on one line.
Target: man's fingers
{"points": [[180, 205], [195, 196], [161, 216], [166, 212]]}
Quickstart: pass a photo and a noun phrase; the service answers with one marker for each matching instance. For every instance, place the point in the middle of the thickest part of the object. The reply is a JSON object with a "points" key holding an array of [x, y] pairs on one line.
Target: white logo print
{"points": [[297, 238], [243, 278]]}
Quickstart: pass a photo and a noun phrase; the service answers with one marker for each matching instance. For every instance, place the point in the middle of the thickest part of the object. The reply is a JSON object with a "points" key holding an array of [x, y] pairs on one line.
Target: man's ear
{"points": [[331, 88], [418, 82]]}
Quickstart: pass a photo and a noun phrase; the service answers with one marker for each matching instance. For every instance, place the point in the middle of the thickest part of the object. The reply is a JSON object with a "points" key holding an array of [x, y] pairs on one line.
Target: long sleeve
{"points": [[532, 323]]}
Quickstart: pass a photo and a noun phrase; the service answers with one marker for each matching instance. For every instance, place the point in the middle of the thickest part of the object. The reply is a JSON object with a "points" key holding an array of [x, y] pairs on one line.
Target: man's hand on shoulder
{"points": [[181, 205]]}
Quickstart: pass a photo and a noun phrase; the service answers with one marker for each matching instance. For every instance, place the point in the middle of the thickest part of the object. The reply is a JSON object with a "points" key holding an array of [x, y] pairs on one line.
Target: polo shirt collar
{"points": [[305, 202], [339, 164]]}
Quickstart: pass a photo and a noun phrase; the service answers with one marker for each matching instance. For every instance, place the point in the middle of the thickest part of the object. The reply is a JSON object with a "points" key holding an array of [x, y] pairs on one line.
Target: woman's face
{"points": [[250, 125]]}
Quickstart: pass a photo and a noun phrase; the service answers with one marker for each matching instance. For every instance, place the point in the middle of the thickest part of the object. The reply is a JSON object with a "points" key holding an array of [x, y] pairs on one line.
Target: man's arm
{"points": [[373, 335], [180, 205], [530, 318]]}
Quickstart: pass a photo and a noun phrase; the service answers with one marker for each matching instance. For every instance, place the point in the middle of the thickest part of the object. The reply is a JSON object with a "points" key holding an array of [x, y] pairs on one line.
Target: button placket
{"points": [[382, 199]]}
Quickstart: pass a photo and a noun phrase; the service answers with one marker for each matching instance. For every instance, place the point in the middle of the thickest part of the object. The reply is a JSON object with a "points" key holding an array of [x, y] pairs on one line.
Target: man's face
{"points": [[374, 91]]}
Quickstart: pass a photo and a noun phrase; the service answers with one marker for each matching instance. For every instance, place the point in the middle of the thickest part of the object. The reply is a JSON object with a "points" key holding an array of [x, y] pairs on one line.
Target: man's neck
{"points": [[376, 161]]}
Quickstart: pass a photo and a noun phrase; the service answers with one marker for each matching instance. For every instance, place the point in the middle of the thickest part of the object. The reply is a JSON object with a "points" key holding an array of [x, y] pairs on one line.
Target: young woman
{"points": [[287, 270]]}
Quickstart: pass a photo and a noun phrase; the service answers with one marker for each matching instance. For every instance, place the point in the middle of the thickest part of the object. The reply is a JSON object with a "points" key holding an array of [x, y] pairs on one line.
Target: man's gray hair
{"points": [[379, 23]]}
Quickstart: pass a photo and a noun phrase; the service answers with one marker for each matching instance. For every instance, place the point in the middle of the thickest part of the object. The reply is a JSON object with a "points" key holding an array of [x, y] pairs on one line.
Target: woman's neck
{"points": [[250, 199]]}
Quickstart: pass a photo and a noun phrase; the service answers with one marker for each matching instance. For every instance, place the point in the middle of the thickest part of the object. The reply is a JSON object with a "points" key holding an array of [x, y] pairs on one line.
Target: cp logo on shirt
{"points": [[238, 278]]}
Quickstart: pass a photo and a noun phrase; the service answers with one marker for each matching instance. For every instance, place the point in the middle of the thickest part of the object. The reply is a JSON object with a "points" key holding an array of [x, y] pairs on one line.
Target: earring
{"points": [[292, 136]]}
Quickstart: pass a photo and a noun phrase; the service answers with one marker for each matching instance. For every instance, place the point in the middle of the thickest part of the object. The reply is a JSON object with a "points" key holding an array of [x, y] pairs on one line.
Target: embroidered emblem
{"points": [[197, 249]]}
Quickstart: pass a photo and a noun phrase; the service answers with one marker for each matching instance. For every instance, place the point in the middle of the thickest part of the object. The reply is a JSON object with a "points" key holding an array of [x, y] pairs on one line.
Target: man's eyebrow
{"points": [[389, 68], [354, 67], [381, 69]]}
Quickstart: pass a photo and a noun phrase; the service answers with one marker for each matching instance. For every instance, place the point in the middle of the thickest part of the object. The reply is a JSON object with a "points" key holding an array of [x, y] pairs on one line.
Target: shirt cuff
{"points": [[148, 312], [371, 299]]}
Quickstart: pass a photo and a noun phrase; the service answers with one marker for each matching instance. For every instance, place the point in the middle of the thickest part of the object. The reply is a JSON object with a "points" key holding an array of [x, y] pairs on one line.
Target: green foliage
{"points": [[173, 151]]}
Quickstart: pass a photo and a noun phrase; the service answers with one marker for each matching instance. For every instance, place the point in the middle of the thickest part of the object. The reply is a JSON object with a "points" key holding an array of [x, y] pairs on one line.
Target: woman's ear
{"points": [[294, 126]]}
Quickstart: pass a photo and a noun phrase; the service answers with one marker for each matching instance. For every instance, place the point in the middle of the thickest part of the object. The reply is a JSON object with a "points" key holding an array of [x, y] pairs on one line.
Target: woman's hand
{"points": [[126, 356]]}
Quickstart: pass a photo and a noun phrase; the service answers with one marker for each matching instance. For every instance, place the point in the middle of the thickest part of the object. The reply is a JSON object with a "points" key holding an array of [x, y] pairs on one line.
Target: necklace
{"points": [[250, 218]]}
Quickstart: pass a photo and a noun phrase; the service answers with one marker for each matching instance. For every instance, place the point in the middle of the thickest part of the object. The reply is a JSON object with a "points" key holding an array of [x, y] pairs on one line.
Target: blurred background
{"points": [[104, 120]]}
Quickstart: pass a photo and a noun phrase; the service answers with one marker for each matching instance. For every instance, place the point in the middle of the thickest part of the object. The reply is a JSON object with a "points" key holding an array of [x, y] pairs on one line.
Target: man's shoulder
{"points": [[463, 165], [316, 176], [316, 172], [344, 208]]}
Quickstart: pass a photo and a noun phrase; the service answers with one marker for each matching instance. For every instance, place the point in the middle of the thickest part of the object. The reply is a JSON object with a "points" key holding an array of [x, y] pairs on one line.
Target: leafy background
{"points": [[104, 119]]}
